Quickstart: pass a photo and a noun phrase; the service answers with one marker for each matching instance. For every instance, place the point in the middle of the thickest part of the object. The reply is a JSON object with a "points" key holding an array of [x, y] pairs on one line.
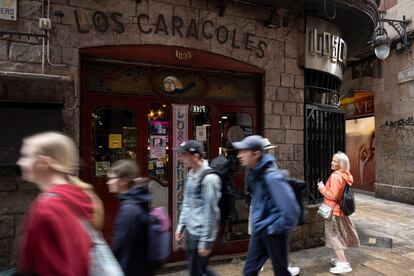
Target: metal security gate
{"points": [[324, 136]]}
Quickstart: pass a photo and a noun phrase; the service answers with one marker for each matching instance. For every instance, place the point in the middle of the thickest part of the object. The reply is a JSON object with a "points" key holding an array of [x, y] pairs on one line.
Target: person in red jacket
{"points": [[340, 232], [54, 241]]}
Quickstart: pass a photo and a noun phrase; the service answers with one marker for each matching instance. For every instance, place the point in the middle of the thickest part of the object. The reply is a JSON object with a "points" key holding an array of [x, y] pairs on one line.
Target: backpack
{"points": [[301, 194], [224, 168], [348, 201], [158, 237]]}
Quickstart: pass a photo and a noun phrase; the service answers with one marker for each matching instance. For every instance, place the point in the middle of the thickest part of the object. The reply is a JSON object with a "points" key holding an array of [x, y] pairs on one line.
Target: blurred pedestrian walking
{"points": [[200, 213], [54, 241], [340, 232], [274, 208], [270, 148], [129, 242]]}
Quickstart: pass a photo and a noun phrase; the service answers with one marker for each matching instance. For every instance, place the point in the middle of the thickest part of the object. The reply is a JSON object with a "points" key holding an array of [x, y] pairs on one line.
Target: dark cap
{"points": [[192, 146], [252, 142]]}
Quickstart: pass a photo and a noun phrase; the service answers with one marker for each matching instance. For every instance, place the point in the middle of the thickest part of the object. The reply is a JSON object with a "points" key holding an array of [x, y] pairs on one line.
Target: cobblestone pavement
{"points": [[377, 222]]}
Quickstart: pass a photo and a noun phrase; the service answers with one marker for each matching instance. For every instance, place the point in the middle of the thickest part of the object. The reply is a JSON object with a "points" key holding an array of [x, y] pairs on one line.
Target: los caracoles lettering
{"points": [[196, 30]]}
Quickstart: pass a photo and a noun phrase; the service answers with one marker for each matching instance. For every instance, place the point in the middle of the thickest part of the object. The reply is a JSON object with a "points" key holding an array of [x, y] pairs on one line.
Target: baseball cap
{"points": [[192, 146], [253, 142], [267, 145]]}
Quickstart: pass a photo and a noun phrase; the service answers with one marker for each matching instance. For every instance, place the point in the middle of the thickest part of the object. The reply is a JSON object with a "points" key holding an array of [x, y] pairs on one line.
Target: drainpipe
{"points": [[43, 40], [48, 39]]}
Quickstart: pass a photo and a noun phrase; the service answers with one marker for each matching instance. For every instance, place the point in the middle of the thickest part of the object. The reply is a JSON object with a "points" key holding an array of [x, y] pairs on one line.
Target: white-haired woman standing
{"points": [[54, 241], [340, 232]]}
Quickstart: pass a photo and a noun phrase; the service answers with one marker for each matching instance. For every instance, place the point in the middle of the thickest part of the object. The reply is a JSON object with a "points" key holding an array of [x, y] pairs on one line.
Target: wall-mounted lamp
{"points": [[381, 42], [274, 20]]}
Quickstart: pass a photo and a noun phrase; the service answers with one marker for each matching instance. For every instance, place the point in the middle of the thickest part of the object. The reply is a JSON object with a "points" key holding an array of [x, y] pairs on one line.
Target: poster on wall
{"points": [[360, 148], [180, 134]]}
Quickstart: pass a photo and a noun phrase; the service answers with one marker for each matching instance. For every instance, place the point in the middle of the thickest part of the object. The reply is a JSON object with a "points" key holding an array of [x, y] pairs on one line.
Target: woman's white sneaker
{"points": [[333, 261], [340, 268], [294, 270]]}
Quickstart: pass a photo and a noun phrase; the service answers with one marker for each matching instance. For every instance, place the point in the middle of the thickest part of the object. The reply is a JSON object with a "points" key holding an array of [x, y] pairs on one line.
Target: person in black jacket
{"points": [[129, 242]]}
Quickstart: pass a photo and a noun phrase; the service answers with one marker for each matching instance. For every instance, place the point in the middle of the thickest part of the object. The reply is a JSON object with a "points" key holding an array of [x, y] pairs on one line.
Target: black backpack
{"points": [[348, 201], [225, 169], [301, 193]]}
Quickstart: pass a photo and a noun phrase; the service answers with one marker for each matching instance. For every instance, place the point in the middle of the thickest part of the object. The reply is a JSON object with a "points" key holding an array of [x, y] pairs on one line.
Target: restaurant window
{"points": [[114, 137]]}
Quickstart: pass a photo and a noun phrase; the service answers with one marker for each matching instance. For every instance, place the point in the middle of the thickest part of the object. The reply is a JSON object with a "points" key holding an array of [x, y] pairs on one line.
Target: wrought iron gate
{"points": [[324, 136]]}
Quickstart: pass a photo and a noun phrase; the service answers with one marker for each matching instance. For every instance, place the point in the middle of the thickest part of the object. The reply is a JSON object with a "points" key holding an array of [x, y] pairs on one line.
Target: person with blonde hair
{"points": [[129, 242], [340, 232], [54, 241]]}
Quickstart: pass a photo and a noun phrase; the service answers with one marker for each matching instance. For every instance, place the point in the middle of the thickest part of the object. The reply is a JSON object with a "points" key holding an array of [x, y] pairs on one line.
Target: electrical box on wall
{"points": [[45, 23]]}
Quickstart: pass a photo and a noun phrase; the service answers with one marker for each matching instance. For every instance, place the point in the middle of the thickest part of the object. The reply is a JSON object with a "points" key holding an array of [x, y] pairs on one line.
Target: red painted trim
{"points": [[161, 54]]}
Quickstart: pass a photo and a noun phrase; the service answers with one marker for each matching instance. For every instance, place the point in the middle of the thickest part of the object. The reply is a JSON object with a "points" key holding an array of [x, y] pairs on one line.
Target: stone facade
{"points": [[110, 23], [394, 124]]}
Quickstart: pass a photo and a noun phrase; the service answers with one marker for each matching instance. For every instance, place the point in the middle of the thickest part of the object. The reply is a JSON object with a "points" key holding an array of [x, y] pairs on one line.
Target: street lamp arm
{"points": [[400, 26]]}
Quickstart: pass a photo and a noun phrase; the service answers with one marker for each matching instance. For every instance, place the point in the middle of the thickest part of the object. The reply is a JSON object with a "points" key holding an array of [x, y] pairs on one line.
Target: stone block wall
{"points": [[311, 234], [16, 196], [90, 23], [394, 117]]}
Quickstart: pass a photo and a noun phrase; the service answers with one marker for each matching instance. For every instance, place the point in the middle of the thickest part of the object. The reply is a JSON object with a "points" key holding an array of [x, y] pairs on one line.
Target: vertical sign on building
{"points": [[180, 134], [8, 10]]}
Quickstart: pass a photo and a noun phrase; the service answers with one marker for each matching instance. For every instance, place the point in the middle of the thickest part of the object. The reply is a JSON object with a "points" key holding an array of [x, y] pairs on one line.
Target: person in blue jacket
{"points": [[274, 208], [129, 243]]}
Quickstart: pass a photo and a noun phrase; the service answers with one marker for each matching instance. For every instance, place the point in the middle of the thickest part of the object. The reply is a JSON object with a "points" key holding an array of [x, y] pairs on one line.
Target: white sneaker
{"points": [[294, 270], [341, 268], [333, 261]]}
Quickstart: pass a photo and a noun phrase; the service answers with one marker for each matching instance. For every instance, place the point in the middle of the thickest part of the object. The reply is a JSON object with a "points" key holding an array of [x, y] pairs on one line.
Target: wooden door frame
{"points": [[163, 56]]}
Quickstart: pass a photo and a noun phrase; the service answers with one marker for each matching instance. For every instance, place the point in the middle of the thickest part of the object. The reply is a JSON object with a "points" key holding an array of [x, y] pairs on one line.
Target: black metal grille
{"points": [[324, 136], [321, 88]]}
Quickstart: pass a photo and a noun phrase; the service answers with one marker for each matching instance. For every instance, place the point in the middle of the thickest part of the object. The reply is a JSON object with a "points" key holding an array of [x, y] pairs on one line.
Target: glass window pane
{"points": [[158, 142], [234, 126], [201, 126], [113, 137]]}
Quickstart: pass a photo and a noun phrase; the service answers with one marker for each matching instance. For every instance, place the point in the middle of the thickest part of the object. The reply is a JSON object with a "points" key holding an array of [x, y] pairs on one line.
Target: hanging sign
{"points": [[325, 49], [180, 134], [360, 104], [8, 10]]}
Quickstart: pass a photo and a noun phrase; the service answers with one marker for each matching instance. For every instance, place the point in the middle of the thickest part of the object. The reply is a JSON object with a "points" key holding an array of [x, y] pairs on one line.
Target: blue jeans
{"points": [[197, 264], [261, 247]]}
